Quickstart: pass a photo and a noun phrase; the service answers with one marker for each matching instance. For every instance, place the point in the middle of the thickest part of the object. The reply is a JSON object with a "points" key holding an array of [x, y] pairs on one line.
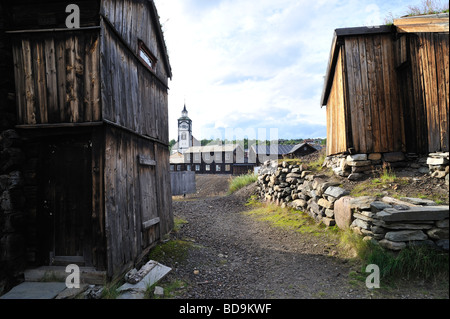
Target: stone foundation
{"points": [[359, 166]]}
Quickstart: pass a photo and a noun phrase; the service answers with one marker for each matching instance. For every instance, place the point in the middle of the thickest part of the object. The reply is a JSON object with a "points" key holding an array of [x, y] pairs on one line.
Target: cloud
{"points": [[249, 64]]}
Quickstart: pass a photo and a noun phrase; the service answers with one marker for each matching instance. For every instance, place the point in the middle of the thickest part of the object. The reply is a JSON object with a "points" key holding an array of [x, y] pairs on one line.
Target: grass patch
{"points": [[241, 181], [171, 252], [171, 289], [413, 262], [286, 218], [178, 223]]}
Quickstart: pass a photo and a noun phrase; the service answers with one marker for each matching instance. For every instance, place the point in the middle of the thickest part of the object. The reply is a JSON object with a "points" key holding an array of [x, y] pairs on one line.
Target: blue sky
{"points": [[257, 64]]}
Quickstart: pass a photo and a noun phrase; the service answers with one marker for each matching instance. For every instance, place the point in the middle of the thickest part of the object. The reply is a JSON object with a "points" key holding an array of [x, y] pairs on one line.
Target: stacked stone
{"points": [[438, 165], [295, 186], [396, 224], [358, 166]]}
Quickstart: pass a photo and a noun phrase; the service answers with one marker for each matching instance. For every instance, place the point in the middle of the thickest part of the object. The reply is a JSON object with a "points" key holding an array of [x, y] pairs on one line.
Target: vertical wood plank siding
{"points": [[429, 60], [336, 139], [397, 97], [57, 77], [132, 30], [125, 204], [140, 103], [372, 105]]}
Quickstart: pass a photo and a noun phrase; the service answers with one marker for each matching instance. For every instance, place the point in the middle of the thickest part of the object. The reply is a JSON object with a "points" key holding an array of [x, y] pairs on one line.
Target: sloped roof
{"points": [[160, 36], [298, 146], [213, 148], [272, 149]]}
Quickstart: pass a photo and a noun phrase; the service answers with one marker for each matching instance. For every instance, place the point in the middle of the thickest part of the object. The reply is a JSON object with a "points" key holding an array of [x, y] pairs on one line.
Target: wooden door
{"points": [[66, 184], [149, 205]]}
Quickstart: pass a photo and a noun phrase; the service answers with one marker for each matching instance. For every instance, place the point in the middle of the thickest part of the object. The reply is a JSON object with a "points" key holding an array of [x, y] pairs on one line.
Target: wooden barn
{"points": [[386, 87], [92, 106]]}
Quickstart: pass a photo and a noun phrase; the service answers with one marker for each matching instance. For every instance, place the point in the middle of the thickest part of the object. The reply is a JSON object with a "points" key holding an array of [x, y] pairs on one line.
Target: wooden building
{"points": [[386, 87], [261, 153], [213, 159], [92, 106]]}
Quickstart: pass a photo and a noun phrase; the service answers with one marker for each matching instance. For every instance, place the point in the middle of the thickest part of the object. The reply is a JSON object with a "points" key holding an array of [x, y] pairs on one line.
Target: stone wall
{"points": [[391, 222], [358, 166], [12, 256]]}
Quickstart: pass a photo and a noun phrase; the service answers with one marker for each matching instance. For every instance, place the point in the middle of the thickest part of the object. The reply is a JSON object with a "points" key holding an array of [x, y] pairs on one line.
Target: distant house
{"points": [[215, 159], [261, 153], [386, 87]]}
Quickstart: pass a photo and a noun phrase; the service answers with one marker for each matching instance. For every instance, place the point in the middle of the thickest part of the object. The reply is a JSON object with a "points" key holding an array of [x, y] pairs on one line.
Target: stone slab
{"points": [[157, 273], [406, 235], [418, 201], [35, 290], [336, 192], [414, 214]]}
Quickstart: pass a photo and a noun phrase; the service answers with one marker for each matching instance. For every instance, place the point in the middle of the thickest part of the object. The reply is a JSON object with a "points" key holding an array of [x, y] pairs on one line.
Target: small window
{"points": [[171, 167], [218, 168], [218, 156], [207, 156], [197, 168], [183, 137], [146, 56], [197, 157], [179, 167], [188, 167], [227, 156], [208, 168], [228, 168]]}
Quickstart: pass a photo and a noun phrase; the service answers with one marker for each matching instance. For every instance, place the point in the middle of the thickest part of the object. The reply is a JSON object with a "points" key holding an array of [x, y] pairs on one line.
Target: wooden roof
{"points": [[424, 23]]}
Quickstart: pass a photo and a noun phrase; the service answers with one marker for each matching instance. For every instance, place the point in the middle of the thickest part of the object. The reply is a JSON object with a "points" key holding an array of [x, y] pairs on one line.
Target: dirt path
{"points": [[236, 256]]}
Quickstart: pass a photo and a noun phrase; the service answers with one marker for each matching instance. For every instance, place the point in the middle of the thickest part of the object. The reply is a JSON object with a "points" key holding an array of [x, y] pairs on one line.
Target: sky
{"points": [[256, 68]]}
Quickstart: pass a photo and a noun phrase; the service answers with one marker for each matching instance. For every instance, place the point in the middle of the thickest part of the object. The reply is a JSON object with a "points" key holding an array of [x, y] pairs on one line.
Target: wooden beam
{"points": [[146, 161], [146, 225]]}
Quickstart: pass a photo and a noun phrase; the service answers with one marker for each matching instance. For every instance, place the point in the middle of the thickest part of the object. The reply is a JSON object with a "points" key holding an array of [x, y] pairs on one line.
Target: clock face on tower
{"points": [[184, 126]]}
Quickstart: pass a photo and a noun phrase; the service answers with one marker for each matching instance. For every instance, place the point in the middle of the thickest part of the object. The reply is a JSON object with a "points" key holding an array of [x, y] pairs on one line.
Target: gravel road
{"points": [[234, 255]]}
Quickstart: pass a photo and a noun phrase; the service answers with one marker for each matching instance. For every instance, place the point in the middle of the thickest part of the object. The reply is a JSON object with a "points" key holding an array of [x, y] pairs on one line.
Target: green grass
{"points": [[171, 252], [241, 181], [413, 262], [286, 218], [425, 7]]}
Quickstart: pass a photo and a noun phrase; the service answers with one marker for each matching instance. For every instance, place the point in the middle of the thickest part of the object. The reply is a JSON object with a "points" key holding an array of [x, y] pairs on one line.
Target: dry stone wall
{"points": [[357, 166], [393, 223]]}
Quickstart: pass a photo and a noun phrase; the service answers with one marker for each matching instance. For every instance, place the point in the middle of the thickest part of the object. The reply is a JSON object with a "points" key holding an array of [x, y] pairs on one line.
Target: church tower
{"points": [[184, 131]]}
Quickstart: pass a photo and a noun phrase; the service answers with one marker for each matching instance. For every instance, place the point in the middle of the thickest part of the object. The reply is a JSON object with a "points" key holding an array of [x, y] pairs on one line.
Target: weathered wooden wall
{"points": [[183, 183], [132, 95], [49, 14], [138, 195], [57, 77], [376, 117], [429, 54], [134, 20], [410, 92], [336, 111]]}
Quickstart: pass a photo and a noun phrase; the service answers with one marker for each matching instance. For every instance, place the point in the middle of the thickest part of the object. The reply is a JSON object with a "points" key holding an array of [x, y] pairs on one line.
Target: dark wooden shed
{"points": [[386, 88], [92, 105]]}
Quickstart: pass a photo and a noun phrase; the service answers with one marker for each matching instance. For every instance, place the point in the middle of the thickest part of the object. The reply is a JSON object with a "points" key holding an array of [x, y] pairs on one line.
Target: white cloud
{"points": [[249, 62]]}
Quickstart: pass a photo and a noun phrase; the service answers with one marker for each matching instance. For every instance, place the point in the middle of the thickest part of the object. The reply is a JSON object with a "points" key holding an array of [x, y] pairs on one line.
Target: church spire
{"points": [[184, 113]]}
